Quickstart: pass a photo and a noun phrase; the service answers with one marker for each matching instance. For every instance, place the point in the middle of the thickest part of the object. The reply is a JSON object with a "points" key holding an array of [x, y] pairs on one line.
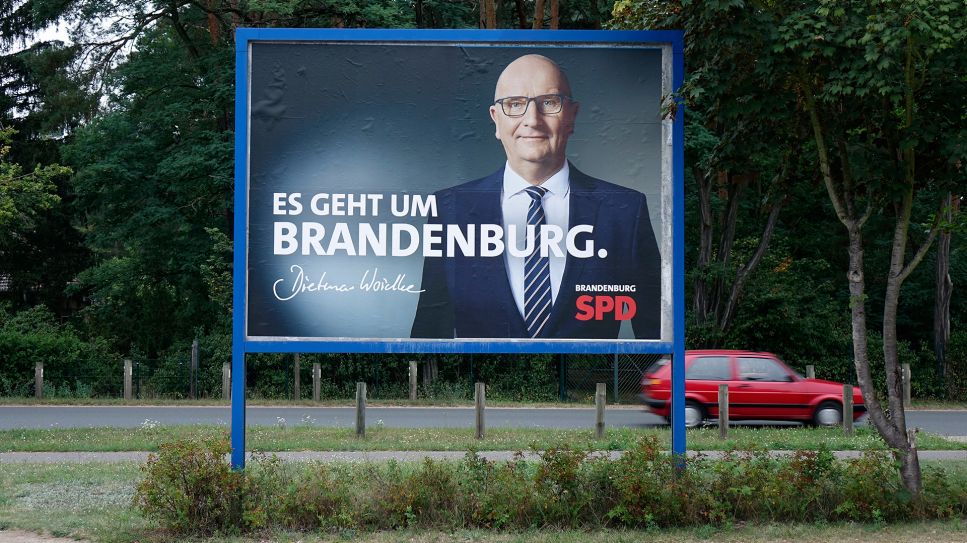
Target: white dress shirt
{"points": [[514, 204]]}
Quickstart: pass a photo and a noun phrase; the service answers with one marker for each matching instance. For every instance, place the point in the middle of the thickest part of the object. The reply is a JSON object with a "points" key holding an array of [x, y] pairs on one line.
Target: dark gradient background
{"points": [[411, 118]]}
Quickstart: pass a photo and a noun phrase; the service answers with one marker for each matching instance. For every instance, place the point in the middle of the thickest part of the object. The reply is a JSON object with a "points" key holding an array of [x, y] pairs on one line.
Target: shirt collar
{"points": [[557, 185]]}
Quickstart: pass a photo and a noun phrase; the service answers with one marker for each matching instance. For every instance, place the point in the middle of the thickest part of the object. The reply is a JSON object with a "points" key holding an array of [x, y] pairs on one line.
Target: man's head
{"points": [[535, 142]]}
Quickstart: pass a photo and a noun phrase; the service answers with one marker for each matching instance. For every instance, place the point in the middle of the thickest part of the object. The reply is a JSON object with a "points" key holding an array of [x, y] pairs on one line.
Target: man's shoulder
{"points": [[489, 183], [583, 183]]}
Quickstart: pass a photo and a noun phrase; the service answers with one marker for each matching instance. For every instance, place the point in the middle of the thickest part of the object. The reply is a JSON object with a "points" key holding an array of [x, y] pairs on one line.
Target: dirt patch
{"points": [[16, 536]]}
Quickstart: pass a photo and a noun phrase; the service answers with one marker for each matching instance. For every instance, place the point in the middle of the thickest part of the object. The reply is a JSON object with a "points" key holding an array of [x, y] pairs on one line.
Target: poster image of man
{"points": [[579, 255]]}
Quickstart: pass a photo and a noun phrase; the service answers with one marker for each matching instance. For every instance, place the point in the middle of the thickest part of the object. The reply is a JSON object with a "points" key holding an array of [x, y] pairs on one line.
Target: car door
{"points": [[702, 379], [765, 389]]}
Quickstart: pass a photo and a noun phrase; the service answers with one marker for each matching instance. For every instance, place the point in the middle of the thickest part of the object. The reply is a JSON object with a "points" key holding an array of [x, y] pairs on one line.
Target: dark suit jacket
{"points": [[470, 297]]}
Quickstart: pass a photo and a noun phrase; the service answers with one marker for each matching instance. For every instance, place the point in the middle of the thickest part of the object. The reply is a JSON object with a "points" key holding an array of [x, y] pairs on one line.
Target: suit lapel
{"points": [[582, 209], [491, 279]]}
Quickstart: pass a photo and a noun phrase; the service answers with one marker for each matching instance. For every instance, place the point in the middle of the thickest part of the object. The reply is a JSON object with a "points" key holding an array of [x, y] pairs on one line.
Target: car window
{"points": [[657, 365], [761, 369], [709, 368]]}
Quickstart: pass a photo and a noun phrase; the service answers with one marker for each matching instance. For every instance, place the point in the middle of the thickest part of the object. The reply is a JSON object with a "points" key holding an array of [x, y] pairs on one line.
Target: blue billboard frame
{"points": [[244, 37]]}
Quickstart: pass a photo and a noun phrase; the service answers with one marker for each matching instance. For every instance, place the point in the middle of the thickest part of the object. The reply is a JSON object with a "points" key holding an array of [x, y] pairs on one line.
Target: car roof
{"points": [[727, 352]]}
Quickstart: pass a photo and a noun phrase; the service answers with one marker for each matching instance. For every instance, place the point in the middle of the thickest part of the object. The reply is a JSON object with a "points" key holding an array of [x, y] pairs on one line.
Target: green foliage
{"points": [[142, 231], [499, 495], [30, 204], [189, 487], [153, 179], [652, 492], [957, 360], [23, 196], [72, 366]]}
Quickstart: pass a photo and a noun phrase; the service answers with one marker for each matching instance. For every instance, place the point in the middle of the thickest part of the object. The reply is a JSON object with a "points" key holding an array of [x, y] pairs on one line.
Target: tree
{"points": [[873, 79], [25, 198], [878, 85], [742, 142], [944, 285]]}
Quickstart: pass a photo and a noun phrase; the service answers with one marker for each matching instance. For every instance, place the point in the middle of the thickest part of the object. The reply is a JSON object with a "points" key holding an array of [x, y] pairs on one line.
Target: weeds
{"points": [[189, 488]]}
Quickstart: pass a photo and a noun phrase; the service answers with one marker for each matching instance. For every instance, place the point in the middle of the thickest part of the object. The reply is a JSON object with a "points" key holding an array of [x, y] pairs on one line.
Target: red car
{"points": [[761, 387]]}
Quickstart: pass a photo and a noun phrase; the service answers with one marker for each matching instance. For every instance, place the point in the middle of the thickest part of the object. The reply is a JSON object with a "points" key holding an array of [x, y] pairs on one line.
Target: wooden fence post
{"points": [[907, 400], [723, 411], [848, 409], [480, 399], [316, 381], [413, 381], [127, 379], [226, 381], [39, 380], [810, 372], [193, 375], [600, 399], [360, 409]]}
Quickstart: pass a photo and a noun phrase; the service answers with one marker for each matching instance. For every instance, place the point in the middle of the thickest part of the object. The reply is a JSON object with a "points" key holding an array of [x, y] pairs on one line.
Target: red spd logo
{"points": [[619, 308]]}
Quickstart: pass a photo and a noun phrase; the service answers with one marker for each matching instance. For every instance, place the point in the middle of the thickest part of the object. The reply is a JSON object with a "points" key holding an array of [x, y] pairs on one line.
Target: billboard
{"points": [[389, 191], [458, 191]]}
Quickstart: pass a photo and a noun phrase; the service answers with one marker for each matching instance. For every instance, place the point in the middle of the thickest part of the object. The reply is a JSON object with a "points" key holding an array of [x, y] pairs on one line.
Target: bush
{"points": [[430, 497], [498, 495], [652, 492], [956, 378], [73, 366], [190, 488]]}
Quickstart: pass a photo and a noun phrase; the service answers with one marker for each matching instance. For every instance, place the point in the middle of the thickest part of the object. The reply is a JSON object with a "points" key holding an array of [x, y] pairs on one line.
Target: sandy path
{"points": [[16, 536]]}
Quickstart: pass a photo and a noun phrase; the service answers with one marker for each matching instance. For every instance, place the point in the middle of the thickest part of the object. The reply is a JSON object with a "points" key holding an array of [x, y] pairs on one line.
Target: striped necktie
{"points": [[537, 273]]}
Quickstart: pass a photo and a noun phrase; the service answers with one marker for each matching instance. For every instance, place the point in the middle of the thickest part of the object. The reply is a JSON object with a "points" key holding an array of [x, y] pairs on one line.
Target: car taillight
{"points": [[655, 382]]}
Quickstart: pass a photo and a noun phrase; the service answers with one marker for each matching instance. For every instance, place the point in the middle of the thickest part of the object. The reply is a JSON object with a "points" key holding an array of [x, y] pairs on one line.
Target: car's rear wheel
{"points": [[828, 413], [694, 414]]}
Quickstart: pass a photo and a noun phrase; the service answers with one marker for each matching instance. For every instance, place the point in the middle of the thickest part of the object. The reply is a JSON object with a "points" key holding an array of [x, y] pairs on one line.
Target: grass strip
{"points": [[151, 435]]}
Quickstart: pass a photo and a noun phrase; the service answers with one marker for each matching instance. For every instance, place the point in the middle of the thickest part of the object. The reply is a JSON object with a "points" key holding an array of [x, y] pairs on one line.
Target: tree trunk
{"points": [[861, 358], [941, 306], [701, 285], [538, 14], [485, 7], [910, 466], [521, 15], [891, 301], [909, 462], [734, 187], [555, 18], [742, 275], [430, 371]]}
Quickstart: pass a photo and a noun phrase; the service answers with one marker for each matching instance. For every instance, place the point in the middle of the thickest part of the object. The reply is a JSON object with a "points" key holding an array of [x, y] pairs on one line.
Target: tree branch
{"points": [[922, 250], [824, 165]]}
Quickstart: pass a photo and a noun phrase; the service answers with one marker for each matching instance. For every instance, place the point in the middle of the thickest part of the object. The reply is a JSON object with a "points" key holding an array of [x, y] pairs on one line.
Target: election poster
{"points": [[456, 191]]}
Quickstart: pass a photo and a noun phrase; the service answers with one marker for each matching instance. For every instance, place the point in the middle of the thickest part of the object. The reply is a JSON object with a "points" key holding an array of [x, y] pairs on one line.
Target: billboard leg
{"points": [[678, 403], [238, 405], [678, 259]]}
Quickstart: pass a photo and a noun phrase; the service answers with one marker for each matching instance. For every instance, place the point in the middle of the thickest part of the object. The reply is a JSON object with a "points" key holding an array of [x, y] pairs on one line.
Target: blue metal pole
{"points": [[678, 281], [238, 406], [239, 257]]}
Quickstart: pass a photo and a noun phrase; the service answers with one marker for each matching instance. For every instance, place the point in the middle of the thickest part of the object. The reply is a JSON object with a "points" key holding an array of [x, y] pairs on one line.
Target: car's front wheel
{"points": [[828, 413], [694, 414]]}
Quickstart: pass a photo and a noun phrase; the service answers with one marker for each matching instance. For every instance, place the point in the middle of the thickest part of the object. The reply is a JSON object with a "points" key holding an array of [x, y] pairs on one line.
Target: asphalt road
{"points": [[941, 422]]}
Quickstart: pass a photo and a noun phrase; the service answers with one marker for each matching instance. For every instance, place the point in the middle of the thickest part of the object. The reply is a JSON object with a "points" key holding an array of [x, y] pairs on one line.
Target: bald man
{"points": [[579, 255]]}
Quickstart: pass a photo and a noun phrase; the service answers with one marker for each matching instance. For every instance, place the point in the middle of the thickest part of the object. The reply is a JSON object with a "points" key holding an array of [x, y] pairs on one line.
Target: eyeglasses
{"points": [[547, 104]]}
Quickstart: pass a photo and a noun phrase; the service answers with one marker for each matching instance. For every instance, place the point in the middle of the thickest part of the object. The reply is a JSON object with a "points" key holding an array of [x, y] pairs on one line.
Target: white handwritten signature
{"points": [[288, 288]]}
